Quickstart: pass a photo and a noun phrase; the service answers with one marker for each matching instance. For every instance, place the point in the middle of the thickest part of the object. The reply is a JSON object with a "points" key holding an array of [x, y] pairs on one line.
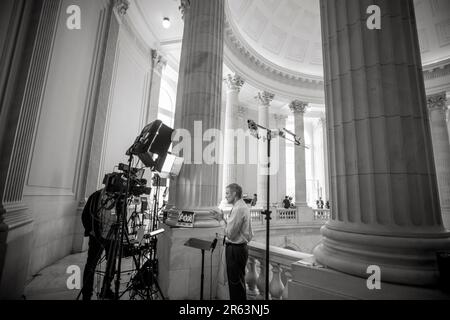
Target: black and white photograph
{"points": [[230, 155]]}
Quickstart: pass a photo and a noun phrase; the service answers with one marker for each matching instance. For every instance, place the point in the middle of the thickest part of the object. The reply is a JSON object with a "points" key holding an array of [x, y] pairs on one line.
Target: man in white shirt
{"points": [[238, 232]]}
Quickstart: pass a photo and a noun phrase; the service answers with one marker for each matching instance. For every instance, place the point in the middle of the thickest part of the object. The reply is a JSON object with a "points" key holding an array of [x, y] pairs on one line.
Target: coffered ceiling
{"points": [[285, 32]]}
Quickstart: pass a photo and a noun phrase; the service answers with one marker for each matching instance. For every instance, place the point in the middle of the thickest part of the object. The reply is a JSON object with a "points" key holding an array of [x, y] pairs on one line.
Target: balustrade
{"points": [[280, 262]]}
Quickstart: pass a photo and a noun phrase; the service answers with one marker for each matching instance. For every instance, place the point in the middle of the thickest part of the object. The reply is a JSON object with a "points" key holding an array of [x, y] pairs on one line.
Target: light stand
{"points": [[123, 228], [253, 126]]}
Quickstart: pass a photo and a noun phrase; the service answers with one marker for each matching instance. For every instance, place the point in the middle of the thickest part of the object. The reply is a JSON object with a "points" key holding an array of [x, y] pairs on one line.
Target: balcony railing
{"points": [[322, 214], [280, 265]]}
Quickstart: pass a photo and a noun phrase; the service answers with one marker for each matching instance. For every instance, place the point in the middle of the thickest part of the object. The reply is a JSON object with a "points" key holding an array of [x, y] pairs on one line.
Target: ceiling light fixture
{"points": [[166, 23]]}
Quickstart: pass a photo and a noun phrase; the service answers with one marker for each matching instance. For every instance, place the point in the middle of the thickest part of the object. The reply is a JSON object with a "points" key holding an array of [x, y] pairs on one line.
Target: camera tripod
{"points": [[145, 277], [144, 282]]}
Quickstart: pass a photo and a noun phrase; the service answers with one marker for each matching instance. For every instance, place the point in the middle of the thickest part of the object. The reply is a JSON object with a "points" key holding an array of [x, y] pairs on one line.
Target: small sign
{"points": [[186, 219]]}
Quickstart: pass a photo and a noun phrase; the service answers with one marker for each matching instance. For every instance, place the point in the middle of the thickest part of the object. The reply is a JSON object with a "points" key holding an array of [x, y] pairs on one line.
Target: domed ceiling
{"points": [[287, 33], [276, 44]]}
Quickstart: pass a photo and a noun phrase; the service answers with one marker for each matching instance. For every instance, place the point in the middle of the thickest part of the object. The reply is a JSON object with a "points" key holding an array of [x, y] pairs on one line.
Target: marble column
{"points": [[263, 99], [280, 120], [298, 108], [198, 109], [326, 196], [28, 32], [158, 65], [199, 100], [230, 166], [437, 105], [385, 205]]}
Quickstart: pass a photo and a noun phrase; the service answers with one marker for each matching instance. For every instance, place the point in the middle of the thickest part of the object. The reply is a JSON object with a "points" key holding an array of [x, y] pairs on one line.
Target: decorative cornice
{"points": [[298, 106], [436, 70], [234, 82], [184, 6], [121, 7], [437, 102], [265, 98]]}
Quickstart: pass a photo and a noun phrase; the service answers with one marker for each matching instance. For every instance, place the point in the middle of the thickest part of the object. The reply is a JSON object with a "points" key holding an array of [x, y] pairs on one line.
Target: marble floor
{"points": [[51, 283]]}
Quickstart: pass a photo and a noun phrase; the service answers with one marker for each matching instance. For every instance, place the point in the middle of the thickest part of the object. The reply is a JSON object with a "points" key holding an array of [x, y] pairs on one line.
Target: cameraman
{"points": [[99, 221]]}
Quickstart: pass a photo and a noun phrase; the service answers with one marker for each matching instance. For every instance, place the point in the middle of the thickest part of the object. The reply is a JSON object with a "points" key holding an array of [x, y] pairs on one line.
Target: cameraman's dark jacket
{"points": [[89, 217]]}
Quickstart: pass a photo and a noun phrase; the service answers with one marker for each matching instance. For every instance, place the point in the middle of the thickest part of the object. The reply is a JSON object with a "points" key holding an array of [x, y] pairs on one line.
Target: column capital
{"points": [[234, 82], [298, 106], [121, 7], [184, 6], [158, 60], [437, 102], [265, 98]]}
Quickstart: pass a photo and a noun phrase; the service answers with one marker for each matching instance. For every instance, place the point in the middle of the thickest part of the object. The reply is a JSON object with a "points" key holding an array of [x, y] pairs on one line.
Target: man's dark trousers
{"points": [[96, 248], [236, 256]]}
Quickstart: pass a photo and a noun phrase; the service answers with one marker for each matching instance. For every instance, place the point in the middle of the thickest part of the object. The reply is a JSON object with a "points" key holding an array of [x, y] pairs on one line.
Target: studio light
{"points": [[166, 23]]}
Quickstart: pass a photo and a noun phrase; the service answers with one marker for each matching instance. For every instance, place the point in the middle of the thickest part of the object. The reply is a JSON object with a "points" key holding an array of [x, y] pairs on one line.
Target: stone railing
{"points": [[285, 217], [322, 214], [279, 215], [280, 270]]}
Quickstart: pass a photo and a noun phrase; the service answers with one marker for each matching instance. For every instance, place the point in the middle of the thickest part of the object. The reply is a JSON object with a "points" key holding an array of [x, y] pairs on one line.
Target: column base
{"points": [[80, 242], [16, 234], [180, 266], [319, 283], [403, 259]]}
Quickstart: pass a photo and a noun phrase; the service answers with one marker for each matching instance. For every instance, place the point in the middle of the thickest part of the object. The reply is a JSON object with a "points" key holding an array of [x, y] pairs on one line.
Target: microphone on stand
{"points": [[253, 127]]}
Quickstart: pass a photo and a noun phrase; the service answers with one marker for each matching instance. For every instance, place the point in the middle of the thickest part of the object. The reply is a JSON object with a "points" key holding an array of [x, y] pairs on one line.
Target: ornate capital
{"points": [[437, 102], [158, 60], [298, 106], [184, 6], [121, 6], [234, 82], [265, 98]]}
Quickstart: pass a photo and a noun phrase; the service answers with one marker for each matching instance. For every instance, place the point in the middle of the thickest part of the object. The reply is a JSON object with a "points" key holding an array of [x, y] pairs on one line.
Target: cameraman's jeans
{"points": [[96, 247]]}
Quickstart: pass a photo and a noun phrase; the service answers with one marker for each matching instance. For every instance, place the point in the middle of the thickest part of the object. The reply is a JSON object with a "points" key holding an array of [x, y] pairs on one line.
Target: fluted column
{"points": [[385, 206], [280, 120], [158, 64], [233, 86], [27, 36], [298, 108], [323, 122], [263, 99], [199, 100], [437, 105]]}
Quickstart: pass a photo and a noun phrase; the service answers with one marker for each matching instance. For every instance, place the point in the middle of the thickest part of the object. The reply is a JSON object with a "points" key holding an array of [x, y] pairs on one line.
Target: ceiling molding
{"points": [[437, 70]]}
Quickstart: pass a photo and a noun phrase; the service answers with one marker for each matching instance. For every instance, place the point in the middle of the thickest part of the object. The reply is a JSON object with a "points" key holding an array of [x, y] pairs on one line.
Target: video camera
{"points": [[116, 182]]}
